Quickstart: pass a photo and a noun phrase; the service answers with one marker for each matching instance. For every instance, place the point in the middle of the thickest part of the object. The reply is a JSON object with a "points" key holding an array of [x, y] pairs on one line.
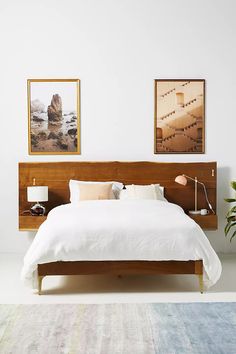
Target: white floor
{"points": [[108, 289]]}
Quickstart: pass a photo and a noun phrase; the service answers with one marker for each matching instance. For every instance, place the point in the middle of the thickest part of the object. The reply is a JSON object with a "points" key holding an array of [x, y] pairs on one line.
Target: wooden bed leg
{"points": [[201, 285], [40, 279]]}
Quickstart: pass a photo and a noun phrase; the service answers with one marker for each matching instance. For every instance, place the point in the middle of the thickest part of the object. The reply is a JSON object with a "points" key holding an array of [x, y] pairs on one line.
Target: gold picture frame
{"points": [[54, 126], [179, 118]]}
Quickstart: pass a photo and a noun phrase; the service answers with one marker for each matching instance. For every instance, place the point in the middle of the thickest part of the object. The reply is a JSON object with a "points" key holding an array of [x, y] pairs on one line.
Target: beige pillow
{"points": [[74, 189], [95, 191]]}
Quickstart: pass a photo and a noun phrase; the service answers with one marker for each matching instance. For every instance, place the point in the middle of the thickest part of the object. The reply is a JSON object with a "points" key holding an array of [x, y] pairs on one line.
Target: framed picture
{"points": [[54, 116], [179, 116]]}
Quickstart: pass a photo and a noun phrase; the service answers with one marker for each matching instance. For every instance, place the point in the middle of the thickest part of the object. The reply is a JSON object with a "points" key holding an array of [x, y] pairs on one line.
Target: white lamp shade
{"points": [[37, 194]]}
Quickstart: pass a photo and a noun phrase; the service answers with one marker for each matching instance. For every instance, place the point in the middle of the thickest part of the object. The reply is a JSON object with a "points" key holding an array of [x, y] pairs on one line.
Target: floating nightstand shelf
{"points": [[207, 222], [30, 223]]}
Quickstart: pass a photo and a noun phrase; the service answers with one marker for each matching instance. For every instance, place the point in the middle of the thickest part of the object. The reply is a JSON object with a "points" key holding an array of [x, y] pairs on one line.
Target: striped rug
{"points": [[199, 328]]}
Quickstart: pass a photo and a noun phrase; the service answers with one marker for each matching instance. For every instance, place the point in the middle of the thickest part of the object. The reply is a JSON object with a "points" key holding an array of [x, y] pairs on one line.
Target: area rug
{"points": [[198, 328]]}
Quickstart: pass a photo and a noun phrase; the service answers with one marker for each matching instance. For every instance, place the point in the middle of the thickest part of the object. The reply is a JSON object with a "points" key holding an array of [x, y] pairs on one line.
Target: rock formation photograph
{"points": [[53, 116]]}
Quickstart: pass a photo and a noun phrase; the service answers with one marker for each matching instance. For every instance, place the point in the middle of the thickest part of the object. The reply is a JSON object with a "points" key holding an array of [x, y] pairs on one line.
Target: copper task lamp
{"points": [[183, 179]]}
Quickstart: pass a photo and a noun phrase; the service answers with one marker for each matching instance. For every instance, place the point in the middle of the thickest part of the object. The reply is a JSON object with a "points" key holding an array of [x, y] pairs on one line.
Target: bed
{"points": [[191, 253]]}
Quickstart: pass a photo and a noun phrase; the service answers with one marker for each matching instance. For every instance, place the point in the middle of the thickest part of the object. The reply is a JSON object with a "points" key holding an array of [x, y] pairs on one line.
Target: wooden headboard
{"points": [[56, 176]]}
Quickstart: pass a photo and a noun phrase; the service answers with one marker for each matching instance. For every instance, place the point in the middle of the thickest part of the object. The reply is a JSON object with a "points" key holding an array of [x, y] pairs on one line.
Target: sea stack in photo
{"points": [[55, 109]]}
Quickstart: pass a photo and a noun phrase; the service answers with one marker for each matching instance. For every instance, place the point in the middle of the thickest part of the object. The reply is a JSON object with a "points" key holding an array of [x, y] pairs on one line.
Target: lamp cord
{"points": [[210, 206], [25, 212]]}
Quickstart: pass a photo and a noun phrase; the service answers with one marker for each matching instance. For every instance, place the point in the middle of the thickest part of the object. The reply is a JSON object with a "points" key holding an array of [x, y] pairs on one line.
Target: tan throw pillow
{"points": [[95, 191]]}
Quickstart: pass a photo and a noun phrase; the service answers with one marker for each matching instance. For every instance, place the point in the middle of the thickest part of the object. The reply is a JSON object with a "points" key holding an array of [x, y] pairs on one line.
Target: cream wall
{"points": [[116, 48]]}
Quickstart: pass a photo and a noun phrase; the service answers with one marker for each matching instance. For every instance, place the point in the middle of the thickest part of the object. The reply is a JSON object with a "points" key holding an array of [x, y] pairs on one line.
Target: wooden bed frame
{"points": [[56, 176]]}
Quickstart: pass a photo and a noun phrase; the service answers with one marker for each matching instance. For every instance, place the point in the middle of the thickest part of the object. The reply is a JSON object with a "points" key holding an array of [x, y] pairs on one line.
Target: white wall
{"points": [[117, 48]]}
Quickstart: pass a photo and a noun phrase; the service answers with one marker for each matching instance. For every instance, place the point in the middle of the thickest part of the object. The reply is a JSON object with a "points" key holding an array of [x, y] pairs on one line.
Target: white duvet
{"points": [[120, 230]]}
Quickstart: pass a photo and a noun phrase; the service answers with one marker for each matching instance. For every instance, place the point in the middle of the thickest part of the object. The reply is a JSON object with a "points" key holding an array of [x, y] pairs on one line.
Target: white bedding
{"points": [[120, 230]]}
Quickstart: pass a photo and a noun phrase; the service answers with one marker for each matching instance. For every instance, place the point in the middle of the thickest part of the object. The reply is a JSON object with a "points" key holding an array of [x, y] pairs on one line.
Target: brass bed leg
{"points": [[40, 279], [201, 285]]}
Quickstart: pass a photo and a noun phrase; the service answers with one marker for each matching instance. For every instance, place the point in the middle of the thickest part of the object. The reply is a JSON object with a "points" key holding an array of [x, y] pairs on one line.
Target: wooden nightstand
{"points": [[207, 222], [30, 223]]}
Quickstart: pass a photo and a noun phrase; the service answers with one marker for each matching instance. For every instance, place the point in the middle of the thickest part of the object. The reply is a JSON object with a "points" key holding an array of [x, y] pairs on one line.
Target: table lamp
{"points": [[37, 194], [183, 180]]}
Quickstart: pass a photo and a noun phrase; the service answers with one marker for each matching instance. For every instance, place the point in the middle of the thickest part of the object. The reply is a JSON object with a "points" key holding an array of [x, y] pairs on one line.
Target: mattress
{"points": [[150, 230]]}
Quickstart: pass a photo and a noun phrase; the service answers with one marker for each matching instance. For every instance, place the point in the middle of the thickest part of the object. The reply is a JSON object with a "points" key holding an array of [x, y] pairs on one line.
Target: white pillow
{"points": [[160, 193], [151, 191], [74, 189]]}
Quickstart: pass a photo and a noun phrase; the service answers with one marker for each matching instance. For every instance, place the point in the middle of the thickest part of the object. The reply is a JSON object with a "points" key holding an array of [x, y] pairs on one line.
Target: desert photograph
{"points": [[179, 116]]}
